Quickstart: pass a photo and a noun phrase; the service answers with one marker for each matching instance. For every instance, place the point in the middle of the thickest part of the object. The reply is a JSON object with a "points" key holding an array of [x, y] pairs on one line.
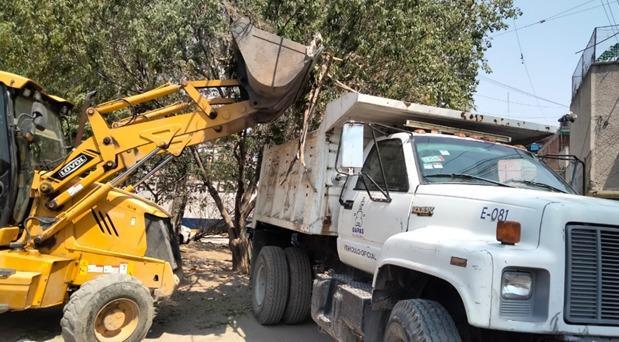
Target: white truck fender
{"points": [[430, 250]]}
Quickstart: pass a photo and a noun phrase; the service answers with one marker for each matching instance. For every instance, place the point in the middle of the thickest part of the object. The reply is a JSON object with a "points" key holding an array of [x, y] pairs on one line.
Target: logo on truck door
{"points": [[359, 216]]}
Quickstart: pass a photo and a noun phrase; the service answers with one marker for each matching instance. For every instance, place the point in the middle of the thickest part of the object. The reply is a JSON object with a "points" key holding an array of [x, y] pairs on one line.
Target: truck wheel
{"points": [[420, 320], [300, 294], [270, 284], [114, 307]]}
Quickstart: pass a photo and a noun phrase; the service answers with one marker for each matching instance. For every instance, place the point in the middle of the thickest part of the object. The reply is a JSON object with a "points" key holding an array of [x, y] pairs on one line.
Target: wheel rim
{"points": [[117, 320], [260, 285]]}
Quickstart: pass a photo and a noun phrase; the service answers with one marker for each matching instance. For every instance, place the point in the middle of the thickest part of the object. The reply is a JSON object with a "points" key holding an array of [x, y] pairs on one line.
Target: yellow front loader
{"points": [[72, 231]]}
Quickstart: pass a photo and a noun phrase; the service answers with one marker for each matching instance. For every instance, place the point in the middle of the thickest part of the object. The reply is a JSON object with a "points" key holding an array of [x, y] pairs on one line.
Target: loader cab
{"points": [[31, 139]]}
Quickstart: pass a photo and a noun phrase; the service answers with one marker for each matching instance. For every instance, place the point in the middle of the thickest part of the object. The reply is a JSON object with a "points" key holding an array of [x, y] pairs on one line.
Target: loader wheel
{"points": [[300, 293], [110, 308], [270, 284], [420, 320]]}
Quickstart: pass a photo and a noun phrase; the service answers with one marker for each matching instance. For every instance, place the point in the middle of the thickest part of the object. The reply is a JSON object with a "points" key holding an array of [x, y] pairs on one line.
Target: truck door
{"points": [[367, 217]]}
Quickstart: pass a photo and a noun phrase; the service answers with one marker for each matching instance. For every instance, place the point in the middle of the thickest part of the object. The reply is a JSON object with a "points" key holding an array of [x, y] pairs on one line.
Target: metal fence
{"points": [[602, 47]]}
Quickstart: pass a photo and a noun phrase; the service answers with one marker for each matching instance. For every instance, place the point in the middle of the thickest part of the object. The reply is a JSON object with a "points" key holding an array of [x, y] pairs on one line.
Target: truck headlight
{"points": [[516, 285]]}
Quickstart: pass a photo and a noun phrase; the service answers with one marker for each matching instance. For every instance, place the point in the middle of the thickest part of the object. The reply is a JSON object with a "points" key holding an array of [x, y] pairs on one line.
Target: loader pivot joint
{"points": [[109, 165], [52, 205], [46, 188]]}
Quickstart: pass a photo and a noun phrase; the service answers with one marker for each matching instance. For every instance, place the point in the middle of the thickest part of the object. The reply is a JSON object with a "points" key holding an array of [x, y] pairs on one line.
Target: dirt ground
{"points": [[212, 304]]}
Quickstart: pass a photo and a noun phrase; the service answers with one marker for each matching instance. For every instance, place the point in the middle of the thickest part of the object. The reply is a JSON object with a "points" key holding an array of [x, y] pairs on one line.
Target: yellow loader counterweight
{"points": [[69, 234]]}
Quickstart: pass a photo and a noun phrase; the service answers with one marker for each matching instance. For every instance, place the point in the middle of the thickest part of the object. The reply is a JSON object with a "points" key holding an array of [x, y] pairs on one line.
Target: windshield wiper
{"points": [[537, 184], [468, 176]]}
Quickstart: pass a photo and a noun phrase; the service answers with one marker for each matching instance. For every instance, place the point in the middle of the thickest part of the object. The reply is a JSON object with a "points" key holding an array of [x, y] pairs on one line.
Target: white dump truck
{"points": [[409, 222]]}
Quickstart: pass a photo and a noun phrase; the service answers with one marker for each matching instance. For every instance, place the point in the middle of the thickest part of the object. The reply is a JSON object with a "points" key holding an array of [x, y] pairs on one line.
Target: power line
{"points": [[610, 10], [571, 8], [501, 84], [526, 69], [613, 23], [555, 16], [606, 13], [598, 43], [515, 102]]}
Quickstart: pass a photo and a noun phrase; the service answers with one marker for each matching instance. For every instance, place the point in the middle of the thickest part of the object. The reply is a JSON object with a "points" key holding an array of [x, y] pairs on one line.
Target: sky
{"points": [[549, 53]]}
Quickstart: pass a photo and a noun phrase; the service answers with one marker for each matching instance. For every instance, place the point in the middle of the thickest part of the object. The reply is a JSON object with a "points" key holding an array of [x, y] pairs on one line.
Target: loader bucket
{"points": [[272, 70]]}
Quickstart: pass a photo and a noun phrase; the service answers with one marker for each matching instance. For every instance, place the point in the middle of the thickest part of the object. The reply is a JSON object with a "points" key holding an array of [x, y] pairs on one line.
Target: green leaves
{"points": [[426, 51]]}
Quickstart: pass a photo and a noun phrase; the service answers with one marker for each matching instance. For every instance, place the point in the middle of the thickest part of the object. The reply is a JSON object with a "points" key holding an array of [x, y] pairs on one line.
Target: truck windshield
{"points": [[452, 160], [45, 151]]}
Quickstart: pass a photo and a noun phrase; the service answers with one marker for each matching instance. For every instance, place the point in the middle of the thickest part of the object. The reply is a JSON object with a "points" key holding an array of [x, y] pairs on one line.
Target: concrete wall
{"points": [[580, 130], [595, 133], [200, 205]]}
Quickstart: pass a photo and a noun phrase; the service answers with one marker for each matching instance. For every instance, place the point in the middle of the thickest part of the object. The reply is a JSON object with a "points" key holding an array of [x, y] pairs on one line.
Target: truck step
{"points": [[343, 308]]}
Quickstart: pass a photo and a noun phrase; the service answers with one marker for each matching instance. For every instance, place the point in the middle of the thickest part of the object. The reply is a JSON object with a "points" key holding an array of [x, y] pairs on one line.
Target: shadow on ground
{"points": [[211, 304]]}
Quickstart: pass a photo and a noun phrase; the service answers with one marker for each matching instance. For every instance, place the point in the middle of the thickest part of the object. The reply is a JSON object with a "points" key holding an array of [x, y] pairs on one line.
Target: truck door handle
{"points": [[347, 204]]}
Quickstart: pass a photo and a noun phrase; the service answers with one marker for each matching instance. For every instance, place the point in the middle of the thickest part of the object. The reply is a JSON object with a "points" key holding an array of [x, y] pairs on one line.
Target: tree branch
{"points": [[214, 194]]}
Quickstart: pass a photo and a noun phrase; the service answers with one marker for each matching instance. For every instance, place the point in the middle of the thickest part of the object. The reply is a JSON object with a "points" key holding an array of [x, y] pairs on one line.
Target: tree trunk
{"points": [[239, 247], [238, 242], [179, 203]]}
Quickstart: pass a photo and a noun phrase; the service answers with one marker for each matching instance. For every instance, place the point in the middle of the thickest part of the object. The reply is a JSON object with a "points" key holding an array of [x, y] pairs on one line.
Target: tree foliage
{"points": [[426, 51], [610, 54]]}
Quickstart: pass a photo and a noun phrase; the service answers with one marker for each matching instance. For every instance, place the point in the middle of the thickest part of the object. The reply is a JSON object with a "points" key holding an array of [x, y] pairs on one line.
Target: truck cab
{"points": [[460, 229], [416, 166]]}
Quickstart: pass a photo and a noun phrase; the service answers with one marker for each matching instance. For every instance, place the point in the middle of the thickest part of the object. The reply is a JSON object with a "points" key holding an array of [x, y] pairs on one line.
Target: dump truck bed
{"points": [[296, 197], [305, 198]]}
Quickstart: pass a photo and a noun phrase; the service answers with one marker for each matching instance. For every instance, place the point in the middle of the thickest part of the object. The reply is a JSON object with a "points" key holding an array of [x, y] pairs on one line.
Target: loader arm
{"points": [[272, 72]]}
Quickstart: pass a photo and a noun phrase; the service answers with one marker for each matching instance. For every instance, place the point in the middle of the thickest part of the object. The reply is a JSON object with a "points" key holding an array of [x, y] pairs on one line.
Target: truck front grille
{"points": [[592, 271]]}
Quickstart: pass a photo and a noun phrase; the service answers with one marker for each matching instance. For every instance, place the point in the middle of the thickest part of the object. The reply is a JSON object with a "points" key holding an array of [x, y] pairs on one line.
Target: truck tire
{"points": [[113, 307], [300, 293], [420, 320], [270, 285]]}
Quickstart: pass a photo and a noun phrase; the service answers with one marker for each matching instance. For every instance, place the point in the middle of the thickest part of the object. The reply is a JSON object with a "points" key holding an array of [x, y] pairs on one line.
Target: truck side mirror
{"points": [[351, 147]]}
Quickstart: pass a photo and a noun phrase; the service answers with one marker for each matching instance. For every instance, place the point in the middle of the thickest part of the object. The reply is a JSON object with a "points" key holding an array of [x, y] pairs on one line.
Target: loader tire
{"points": [[420, 320], [113, 307], [300, 293], [270, 285]]}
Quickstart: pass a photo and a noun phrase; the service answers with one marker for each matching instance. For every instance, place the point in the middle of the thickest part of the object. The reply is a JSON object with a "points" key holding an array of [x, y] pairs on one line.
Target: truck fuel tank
{"points": [[272, 69]]}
